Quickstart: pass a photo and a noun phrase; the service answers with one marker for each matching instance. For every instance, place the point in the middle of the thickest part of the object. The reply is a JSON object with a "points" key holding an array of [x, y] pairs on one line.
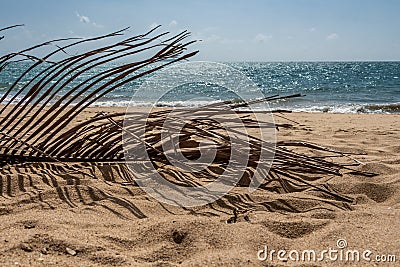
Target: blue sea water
{"points": [[341, 87], [344, 87]]}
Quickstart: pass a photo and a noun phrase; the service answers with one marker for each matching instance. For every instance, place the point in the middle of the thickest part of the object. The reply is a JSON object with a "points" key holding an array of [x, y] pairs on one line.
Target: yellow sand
{"points": [[119, 225]]}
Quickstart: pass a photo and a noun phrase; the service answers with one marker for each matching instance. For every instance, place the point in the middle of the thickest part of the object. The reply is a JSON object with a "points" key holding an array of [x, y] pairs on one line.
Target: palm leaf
{"points": [[33, 117], [38, 125]]}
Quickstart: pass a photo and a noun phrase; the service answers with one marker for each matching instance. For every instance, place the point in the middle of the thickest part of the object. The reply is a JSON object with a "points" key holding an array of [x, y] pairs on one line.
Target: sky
{"points": [[253, 30]]}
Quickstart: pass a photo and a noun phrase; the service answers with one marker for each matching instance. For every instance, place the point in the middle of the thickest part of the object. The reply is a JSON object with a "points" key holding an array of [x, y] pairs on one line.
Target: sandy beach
{"points": [[50, 217], [200, 133]]}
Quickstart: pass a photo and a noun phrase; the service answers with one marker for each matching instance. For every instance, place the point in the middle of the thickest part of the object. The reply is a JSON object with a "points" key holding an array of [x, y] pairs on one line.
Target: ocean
{"points": [[337, 87]]}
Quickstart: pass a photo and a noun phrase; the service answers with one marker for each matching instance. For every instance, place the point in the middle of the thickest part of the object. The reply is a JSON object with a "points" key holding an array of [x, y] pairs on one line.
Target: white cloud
{"points": [[85, 19], [262, 37], [313, 29], [173, 23], [82, 18], [332, 36], [97, 25]]}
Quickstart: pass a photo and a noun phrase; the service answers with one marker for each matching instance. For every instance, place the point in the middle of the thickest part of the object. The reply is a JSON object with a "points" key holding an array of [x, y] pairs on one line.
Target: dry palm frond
{"points": [[36, 123], [33, 115], [292, 169]]}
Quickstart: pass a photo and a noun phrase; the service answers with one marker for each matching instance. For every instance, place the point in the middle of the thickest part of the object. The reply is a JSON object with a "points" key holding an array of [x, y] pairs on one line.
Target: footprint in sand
{"points": [[294, 229]]}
